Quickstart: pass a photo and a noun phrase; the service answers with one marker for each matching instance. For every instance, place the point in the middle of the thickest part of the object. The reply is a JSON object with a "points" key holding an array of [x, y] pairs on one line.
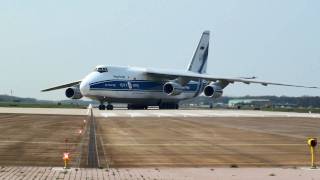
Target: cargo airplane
{"points": [[143, 87]]}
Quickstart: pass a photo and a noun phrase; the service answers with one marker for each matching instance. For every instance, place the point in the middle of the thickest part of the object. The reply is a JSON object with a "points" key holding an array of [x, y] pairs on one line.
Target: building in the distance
{"points": [[249, 103]]}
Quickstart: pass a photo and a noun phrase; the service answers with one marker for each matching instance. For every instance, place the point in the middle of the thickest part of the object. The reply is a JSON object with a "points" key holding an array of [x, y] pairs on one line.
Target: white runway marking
{"points": [[185, 114], [247, 115], [108, 114], [163, 114], [211, 114], [136, 114]]}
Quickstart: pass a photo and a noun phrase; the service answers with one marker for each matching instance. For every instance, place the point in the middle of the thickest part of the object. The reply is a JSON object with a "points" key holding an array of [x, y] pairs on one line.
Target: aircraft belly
{"points": [[132, 95]]}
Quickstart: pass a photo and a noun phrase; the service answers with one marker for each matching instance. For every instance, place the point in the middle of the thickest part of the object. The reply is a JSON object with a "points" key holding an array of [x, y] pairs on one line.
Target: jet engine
{"points": [[213, 90], [172, 88], [73, 93]]}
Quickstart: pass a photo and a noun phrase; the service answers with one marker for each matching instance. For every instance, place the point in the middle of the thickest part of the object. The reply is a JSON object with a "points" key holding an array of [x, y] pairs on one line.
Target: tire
{"points": [[136, 106], [109, 107], [168, 106], [102, 107]]}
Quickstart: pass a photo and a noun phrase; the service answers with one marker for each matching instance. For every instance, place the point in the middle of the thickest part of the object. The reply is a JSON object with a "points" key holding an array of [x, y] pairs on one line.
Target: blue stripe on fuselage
{"points": [[136, 85]]}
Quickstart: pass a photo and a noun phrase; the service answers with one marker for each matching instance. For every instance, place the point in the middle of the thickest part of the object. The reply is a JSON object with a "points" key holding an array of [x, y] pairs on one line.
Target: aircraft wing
{"points": [[62, 86], [195, 76]]}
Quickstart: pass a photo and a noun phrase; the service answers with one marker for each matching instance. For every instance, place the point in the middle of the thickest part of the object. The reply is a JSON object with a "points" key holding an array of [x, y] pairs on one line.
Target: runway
{"points": [[38, 140], [53, 111], [158, 113], [206, 141], [200, 113], [144, 141]]}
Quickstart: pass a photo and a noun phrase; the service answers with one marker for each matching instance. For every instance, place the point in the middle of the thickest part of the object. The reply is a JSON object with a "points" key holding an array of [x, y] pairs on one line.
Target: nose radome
{"points": [[84, 87]]}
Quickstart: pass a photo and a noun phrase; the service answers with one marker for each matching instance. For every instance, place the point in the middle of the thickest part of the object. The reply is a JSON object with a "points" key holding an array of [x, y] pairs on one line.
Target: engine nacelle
{"points": [[172, 88], [73, 93], [213, 91]]}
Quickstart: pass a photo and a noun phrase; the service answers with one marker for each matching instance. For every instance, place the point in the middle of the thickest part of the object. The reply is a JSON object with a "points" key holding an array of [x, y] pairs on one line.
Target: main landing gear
{"points": [[137, 106], [109, 107], [168, 106], [103, 107]]}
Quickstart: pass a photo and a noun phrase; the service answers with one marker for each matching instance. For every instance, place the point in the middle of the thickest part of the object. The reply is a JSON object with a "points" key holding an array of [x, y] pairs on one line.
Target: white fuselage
{"points": [[130, 85]]}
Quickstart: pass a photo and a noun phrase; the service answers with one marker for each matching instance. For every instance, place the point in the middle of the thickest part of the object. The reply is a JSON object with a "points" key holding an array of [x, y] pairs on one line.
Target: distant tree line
{"points": [[303, 101], [7, 98]]}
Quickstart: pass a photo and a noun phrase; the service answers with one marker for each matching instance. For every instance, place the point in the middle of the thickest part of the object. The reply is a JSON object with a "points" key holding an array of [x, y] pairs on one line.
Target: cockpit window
{"points": [[102, 69]]}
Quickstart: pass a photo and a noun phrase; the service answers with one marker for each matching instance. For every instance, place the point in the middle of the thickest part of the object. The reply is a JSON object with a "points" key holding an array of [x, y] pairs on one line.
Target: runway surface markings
{"points": [[163, 114], [247, 115], [135, 114], [213, 114], [184, 113], [109, 114], [190, 114]]}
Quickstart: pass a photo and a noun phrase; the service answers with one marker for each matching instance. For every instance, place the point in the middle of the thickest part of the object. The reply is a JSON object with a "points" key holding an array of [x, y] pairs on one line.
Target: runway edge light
{"points": [[66, 159], [312, 142]]}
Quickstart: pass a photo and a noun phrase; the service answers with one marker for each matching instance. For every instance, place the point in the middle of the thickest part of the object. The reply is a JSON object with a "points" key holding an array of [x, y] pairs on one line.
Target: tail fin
{"points": [[199, 60]]}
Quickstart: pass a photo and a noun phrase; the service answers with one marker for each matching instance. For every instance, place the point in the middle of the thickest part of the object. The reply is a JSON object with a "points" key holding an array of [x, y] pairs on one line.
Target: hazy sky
{"points": [[46, 43]]}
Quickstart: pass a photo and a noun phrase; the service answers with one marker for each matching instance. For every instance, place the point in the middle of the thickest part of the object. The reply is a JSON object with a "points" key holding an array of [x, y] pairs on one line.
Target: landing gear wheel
{"points": [[109, 107], [169, 106], [102, 107], [137, 106]]}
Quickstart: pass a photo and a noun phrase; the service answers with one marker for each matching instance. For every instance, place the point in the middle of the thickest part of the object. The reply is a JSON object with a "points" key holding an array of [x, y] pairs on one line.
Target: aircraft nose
{"points": [[84, 87]]}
